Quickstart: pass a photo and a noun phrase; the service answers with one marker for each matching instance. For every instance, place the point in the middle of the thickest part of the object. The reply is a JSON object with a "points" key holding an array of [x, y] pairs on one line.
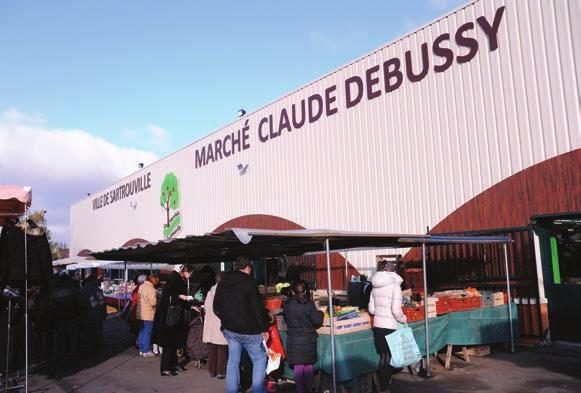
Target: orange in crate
{"points": [[414, 313]]}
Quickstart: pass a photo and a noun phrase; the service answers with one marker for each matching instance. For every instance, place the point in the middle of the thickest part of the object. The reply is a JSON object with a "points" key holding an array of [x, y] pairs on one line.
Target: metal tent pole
{"points": [[331, 312], [346, 269], [25, 301], [428, 372], [125, 278], [8, 343], [508, 298]]}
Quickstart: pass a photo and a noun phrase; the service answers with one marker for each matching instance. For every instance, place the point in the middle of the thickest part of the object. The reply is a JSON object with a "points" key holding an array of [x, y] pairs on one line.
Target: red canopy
{"points": [[13, 201]]}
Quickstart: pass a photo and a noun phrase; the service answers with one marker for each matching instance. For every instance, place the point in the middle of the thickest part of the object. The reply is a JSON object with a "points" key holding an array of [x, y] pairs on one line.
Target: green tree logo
{"points": [[170, 200]]}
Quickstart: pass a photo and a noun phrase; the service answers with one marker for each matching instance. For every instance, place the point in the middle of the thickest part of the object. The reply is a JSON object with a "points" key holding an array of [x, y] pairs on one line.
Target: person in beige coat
{"points": [[145, 313], [217, 345]]}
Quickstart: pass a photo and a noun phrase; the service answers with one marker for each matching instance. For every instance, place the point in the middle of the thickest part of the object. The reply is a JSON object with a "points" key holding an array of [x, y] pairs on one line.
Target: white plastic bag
{"points": [[403, 347], [273, 359]]}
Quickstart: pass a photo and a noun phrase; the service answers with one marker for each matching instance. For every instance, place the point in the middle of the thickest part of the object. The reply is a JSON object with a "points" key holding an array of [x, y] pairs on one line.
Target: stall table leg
{"points": [[449, 349]]}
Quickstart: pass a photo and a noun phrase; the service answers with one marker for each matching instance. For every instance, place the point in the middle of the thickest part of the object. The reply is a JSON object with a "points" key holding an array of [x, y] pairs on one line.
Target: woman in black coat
{"points": [[176, 292], [302, 320]]}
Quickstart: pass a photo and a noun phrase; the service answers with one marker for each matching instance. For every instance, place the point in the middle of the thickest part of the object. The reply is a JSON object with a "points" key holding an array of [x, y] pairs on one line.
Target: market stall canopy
{"points": [[13, 201], [66, 261], [255, 243], [74, 263], [138, 266], [78, 260], [88, 265]]}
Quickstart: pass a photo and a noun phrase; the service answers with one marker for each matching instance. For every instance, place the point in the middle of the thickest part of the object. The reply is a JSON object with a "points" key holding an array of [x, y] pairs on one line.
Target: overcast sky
{"points": [[89, 89]]}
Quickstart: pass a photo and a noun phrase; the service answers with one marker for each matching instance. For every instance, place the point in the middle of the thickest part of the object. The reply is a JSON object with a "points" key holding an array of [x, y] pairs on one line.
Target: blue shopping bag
{"points": [[403, 347]]}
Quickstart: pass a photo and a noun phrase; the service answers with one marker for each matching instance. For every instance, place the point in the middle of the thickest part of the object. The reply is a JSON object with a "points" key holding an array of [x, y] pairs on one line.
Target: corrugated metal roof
{"points": [[254, 243]]}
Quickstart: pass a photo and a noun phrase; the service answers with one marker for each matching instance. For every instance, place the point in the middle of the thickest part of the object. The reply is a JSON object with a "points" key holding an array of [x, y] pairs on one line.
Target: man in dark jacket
{"points": [[244, 321]]}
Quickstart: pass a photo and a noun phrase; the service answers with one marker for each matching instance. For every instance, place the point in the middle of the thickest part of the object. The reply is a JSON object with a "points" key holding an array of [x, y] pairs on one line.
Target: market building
{"points": [[470, 124]]}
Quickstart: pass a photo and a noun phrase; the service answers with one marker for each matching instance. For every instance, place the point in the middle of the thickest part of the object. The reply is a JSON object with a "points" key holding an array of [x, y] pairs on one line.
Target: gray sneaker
{"points": [[148, 354]]}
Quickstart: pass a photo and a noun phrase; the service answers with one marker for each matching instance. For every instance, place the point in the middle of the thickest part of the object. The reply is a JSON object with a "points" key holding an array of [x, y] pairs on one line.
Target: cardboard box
{"points": [[432, 313], [362, 322], [498, 298], [493, 299]]}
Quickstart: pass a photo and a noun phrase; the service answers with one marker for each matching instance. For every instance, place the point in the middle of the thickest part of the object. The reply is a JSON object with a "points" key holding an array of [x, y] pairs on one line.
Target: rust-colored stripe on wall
{"points": [[264, 221]]}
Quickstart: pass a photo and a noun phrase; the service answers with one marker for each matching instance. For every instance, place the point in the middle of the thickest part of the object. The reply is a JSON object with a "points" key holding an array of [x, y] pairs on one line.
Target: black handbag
{"points": [[174, 314]]}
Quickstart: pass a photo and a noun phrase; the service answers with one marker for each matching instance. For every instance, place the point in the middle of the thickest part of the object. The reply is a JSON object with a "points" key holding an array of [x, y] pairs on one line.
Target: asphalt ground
{"points": [[119, 369]]}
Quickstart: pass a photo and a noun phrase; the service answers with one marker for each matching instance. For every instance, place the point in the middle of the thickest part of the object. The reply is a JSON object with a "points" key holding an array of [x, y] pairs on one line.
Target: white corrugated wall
{"points": [[397, 163]]}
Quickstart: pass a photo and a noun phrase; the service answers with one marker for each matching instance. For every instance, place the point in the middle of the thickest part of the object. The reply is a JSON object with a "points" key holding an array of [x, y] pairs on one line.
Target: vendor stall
{"points": [[356, 356], [254, 243], [117, 293]]}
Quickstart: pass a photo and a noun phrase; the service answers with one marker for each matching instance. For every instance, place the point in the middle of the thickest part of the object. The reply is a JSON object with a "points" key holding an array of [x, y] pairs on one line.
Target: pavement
{"points": [[119, 369]]}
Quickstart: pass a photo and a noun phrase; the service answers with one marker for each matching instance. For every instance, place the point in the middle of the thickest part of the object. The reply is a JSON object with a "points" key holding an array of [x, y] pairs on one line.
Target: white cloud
{"points": [[151, 137], [61, 165], [159, 136], [13, 116]]}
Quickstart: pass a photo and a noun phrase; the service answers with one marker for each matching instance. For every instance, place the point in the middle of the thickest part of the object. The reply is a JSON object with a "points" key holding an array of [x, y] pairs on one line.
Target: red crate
{"points": [[457, 304], [473, 302], [414, 313], [442, 306], [463, 303]]}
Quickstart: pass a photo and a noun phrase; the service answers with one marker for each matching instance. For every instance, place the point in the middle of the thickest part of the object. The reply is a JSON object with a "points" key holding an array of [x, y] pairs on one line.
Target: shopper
{"points": [[302, 320], [244, 321], [385, 304], [146, 303], [175, 294], [134, 323], [214, 338], [93, 313], [65, 308]]}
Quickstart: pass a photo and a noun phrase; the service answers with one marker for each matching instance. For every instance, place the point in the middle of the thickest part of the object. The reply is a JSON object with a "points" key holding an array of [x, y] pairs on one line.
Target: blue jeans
{"points": [[252, 343], [145, 336]]}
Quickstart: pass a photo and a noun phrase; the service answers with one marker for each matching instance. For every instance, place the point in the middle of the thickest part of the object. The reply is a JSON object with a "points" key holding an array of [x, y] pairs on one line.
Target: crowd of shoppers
{"points": [[236, 323], [67, 317]]}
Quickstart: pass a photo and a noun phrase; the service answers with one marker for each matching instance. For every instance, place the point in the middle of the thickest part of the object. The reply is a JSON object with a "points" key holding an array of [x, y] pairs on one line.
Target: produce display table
{"points": [[355, 352], [117, 299]]}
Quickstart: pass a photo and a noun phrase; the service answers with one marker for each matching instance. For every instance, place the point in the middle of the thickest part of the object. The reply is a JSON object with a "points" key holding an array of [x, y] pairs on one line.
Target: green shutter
{"points": [[555, 259]]}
